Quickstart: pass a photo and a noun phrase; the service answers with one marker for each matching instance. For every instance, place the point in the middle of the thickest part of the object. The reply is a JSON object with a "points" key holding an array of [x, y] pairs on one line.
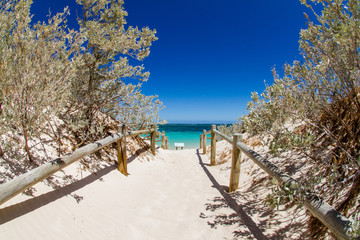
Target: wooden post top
{"points": [[238, 137], [120, 127], [213, 127]]}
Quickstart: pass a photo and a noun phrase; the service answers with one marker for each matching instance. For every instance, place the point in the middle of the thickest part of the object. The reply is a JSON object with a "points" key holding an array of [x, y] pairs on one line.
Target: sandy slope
{"points": [[175, 196]]}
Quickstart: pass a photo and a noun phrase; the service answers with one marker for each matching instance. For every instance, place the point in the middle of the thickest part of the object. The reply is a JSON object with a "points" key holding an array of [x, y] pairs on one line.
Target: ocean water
{"points": [[189, 134]]}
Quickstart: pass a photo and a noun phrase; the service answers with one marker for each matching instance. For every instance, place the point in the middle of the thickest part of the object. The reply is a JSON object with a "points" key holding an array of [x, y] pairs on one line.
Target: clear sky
{"points": [[210, 54]]}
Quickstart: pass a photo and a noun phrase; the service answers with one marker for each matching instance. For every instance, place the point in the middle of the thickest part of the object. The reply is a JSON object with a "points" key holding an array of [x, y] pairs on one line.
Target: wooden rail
{"points": [[26, 180], [331, 218], [204, 141], [164, 140]]}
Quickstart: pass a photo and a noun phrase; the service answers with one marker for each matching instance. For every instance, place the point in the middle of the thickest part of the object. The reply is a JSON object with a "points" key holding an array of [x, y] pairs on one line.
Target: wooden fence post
{"points": [[204, 141], [121, 149], [201, 141], [166, 142], [163, 140], [152, 139], [213, 145], [20, 183], [235, 164]]}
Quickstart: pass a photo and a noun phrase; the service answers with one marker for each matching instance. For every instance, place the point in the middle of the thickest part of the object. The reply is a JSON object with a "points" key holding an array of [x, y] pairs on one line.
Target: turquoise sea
{"points": [[189, 134]]}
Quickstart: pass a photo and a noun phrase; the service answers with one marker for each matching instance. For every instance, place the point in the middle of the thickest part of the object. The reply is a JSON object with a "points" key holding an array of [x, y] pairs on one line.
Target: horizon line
{"points": [[201, 122]]}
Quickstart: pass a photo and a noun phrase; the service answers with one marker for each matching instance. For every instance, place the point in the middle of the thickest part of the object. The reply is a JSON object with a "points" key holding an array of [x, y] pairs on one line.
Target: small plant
{"points": [[355, 228], [229, 130], [282, 195]]}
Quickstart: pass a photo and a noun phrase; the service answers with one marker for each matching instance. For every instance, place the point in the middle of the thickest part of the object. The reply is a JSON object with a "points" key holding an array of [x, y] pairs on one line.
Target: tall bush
{"points": [[35, 70], [82, 76], [103, 83], [320, 95]]}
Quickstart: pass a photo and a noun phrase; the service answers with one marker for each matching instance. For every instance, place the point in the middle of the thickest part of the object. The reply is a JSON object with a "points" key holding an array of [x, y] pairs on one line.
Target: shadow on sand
{"points": [[240, 216], [17, 210]]}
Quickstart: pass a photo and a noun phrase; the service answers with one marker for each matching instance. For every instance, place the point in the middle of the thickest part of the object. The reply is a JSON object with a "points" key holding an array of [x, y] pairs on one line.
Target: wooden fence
{"points": [[24, 181], [331, 218], [164, 140]]}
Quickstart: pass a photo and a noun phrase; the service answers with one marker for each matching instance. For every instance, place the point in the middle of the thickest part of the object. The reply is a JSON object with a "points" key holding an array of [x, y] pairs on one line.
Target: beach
{"points": [[175, 120], [187, 133], [175, 195]]}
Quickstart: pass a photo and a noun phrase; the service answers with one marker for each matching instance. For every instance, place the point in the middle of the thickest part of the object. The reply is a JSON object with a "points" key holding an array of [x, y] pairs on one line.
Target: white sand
{"points": [[175, 196]]}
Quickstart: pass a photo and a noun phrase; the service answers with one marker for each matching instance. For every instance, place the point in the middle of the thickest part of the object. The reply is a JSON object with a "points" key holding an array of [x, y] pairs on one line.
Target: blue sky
{"points": [[210, 54]]}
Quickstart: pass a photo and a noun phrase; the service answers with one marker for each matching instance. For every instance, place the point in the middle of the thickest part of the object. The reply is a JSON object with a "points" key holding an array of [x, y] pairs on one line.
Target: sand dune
{"points": [[175, 196]]}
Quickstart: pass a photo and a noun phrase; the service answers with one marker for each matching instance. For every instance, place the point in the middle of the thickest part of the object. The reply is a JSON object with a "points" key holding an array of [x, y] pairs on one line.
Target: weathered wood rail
{"points": [[331, 218], [164, 140], [17, 185]]}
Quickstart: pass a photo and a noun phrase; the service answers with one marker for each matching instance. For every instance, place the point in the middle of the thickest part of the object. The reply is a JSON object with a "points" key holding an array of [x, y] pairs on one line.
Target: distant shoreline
{"points": [[187, 133], [201, 122]]}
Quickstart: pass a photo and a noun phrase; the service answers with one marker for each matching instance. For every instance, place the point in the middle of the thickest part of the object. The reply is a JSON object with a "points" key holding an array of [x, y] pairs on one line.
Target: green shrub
{"points": [[319, 95], [82, 76]]}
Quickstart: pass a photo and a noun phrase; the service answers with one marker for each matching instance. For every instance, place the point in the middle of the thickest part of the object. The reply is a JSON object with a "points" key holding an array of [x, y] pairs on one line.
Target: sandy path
{"points": [[174, 196]]}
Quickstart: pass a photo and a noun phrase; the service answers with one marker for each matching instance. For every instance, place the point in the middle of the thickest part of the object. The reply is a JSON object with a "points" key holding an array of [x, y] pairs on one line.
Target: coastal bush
{"points": [[57, 81], [314, 108], [103, 67], [229, 130], [34, 67]]}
